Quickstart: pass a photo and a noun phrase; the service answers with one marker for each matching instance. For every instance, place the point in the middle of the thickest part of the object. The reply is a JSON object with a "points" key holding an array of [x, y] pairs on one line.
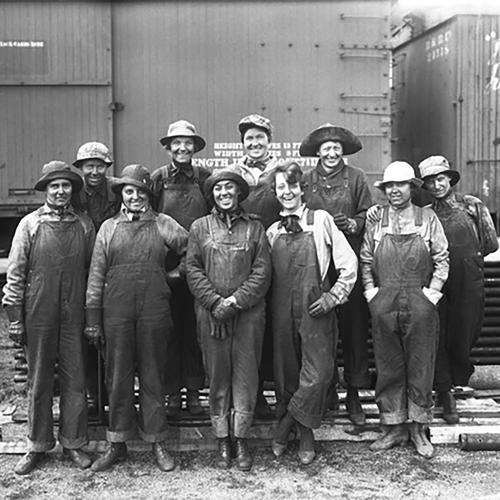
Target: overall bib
{"points": [[137, 322], [231, 364], [183, 201], [54, 308], [353, 315], [462, 307], [304, 347], [405, 327]]}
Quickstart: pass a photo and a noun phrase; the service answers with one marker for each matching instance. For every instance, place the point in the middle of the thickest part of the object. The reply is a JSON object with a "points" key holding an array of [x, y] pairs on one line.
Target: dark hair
{"points": [[292, 171], [251, 125]]}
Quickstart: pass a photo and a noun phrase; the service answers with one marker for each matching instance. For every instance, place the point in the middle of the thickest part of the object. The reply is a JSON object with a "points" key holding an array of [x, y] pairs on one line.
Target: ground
{"points": [[342, 470]]}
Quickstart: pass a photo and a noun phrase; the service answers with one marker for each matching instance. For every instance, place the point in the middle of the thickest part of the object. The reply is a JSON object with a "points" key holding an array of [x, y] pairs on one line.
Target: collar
{"points": [[323, 173], [229, 218], [260, 164], [299, 212], [186, 170], [67, 210]]}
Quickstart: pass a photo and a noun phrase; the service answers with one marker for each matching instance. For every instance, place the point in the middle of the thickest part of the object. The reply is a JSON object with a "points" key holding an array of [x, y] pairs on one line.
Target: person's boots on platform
{"points": [[280, 440], [446, 400], [243, 457], [354, 408], [225, 452], [193, 402], [418, 436], [78, 457], [396, 435], [117, 452], [28, 462], [174, 405], [306, 451], [164, 460]]}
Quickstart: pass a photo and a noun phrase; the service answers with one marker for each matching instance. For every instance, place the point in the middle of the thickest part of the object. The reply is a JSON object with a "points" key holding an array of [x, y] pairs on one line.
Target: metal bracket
{"points": [[345, 17], [383, 95], [384, 55], [365, 111]]}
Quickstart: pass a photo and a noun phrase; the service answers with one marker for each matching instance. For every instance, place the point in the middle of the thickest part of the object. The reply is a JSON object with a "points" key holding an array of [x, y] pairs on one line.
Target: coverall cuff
{"points": [[242, 423], [73, 444], [418, 413], [120, 436], [306, 419], [394, 418], [153, 438], [39, 446], [14, 313], [436, 284], [220, 425], [93, 316]]}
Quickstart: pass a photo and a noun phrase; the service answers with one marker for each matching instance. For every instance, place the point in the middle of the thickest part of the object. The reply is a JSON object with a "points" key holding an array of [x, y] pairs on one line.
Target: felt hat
{"points": [[183, 128], [134, 175], [226, 175], [435, 165], [57, 169], [328, 132], [258, 121], [93, 150]]}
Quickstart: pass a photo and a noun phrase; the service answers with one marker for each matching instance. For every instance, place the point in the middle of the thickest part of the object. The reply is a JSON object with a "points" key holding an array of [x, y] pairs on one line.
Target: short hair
{"points": [[292, 171]]}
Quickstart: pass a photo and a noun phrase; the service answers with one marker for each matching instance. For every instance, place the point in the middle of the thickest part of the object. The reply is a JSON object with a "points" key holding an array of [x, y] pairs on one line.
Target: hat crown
{"points": [[257, 121], [433, 165], [181, 128], [398, 171], [55, 166], [136, 172], [91, 150]]}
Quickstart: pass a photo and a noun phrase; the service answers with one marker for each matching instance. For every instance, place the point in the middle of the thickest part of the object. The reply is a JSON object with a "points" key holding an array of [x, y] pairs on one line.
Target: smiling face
{"points": [[226, 195], [255, 143], [289, 194], [330, 153], [58, 192], [182, 150], [398, 193], [438, 185], [134, 198], [94, 171]]}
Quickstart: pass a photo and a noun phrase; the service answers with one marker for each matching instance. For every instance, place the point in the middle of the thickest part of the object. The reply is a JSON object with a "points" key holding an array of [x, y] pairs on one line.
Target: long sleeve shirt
{"points": [[254, 172], [24, 237], [174, 238], [331, 244], [402, 221]]}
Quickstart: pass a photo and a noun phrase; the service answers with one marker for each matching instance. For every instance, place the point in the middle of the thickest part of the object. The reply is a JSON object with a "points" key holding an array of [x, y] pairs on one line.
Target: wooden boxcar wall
{"points": [[119, 72]]}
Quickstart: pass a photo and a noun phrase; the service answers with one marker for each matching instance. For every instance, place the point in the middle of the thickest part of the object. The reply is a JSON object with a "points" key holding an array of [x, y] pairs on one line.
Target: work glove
{"points": [[433, 295], [94, 335], [17, 332], [323, 305], [219, 330], [225, 309], [373, 214], [370, 294], [341, 221]]}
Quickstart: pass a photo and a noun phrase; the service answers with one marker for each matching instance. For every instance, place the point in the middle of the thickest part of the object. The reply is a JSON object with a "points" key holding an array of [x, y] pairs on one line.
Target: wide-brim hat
{"points": [[183, 128], [328, 132], [435, 165], [57, 169], [398, 171], [255, 121], [134, 175], [226, 175], [93, 151]]}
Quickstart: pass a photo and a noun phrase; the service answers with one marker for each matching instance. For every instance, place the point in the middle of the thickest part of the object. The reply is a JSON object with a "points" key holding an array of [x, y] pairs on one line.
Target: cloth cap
{"points": [[135, 175], [226, 175], [57, 169], [398, 171], [183, 128], [328, 132], [93, 150], [258, 121], [435, 165]]}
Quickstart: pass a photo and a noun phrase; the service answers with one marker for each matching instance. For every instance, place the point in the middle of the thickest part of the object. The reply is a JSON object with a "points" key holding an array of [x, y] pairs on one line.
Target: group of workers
{"points": [[242, 275]]}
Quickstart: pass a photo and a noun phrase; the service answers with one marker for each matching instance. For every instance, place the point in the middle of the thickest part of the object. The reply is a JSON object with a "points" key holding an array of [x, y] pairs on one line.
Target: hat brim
{"points": [[452, 174], [415, 182], [199, 142], [227, 176], [75, 179], [117, 185], [350, 142], [78, 163]]}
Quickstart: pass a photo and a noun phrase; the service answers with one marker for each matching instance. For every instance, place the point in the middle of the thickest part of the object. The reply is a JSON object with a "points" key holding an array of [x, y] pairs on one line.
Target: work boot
{"points": [[193, 402], [262, 408], [78, 457], [174, 405], [28, 462], [117, 452], [418, 436], [332, 398], [280, 441], [397, 435], [306, 445], [354, 408], [164, 460], [225, 452], [447, 401], [243, 457]]}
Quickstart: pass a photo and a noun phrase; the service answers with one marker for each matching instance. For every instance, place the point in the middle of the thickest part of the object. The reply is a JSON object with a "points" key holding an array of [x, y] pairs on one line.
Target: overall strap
{"points": [[309, 217], [385, 216]]}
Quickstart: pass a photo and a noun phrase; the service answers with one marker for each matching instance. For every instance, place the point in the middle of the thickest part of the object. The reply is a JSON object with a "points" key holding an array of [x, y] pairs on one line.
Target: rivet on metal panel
{"points": [[341, 45], [316, 108], [290, 44], [289, 108], [263, 108], [316, 45], [262, 44]]}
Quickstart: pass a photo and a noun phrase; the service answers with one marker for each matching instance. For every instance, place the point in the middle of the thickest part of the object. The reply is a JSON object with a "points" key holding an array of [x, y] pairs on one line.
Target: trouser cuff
{"points": [[418, 413], [393, 418], [153, 438], [306, 419], [220, 425], [40, 446], [73, 444], [242, 423], [120, 436]]}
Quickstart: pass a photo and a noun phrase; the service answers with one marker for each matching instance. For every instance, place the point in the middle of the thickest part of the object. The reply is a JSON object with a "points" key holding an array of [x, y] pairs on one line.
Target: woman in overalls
{"points": [[303, 244], [228, 270]]}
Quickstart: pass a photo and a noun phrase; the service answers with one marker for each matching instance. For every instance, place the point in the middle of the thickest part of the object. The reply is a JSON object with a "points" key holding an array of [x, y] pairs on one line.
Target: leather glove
{"points": [[433, 295], [373, 214], [323, 305], [341, 221], [219, 330], [94, 335], [17, 332], [370, 294], [224, 309]]}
